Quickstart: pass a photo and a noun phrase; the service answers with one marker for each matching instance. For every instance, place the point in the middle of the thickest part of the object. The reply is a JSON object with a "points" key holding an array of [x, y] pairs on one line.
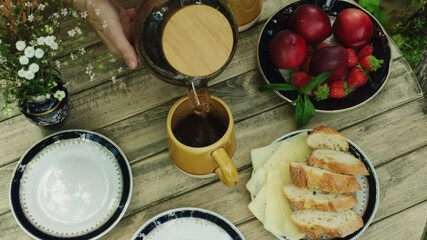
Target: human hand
{"points": [[113, 24]]}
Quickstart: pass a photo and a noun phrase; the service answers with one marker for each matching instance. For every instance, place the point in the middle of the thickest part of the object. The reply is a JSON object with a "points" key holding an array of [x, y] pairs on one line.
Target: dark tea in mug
{"points": [[195, 130]]}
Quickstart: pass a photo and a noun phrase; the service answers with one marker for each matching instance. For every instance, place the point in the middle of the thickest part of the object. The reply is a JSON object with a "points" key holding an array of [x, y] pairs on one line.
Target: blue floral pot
{"points": [[47, 112]]}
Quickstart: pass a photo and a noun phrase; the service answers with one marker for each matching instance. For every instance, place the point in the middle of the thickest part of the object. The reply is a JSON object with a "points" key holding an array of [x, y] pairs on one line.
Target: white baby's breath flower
{"points": [[23, 60], [72, 33], [97, 12], [56, 15], [113, 78], [59, 95], [58, 64], [64, 12], [104, 24], [82, 51], [34, 67], [40, 41], [29, 75], [78, 30], [41, 6], [72, 56], [20, 45], [120, 70], [39, 53], [28, 4], [54, 46], [83, 14], [21, 73], [48, 29], [31, 17], [47, 95], [29, 52]]}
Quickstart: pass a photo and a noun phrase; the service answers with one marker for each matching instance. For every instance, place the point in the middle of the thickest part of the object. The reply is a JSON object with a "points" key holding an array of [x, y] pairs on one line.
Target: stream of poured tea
{"points": [[197, 41]]}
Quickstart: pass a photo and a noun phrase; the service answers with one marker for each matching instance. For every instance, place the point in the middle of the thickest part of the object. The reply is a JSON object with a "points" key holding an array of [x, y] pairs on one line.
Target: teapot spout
{"points": [[199, 96]]}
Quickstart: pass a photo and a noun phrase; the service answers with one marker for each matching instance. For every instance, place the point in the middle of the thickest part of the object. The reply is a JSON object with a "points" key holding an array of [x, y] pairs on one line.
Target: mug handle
{"points": [[226, 171]]}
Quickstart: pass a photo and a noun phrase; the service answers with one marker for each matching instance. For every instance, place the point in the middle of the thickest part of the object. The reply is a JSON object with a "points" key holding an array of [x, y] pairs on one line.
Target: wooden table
{"points": [[391, 129]]}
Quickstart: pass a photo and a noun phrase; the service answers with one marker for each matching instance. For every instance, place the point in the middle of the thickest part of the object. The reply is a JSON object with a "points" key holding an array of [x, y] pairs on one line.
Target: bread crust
{"points": [[333, 164], [315, 178], [344, 202], [315, 231], [324, 130]]}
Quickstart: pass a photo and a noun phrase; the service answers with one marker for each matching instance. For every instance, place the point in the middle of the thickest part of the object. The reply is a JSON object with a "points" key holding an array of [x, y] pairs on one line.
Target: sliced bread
{"points": [[335, 224], [326, 137], [306, 176], [302, 198], [337, 161]]}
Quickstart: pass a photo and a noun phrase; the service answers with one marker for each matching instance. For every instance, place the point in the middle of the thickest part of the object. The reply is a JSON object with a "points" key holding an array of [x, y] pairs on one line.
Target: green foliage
{"points": [[411, 38], [373, 6]]}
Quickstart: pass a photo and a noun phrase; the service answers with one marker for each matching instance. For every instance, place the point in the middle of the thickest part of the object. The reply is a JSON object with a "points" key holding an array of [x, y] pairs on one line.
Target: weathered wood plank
{"points": [[232, 202], [144, 135], [408, 224], [158, 168], [103, 105], [78, 81]]}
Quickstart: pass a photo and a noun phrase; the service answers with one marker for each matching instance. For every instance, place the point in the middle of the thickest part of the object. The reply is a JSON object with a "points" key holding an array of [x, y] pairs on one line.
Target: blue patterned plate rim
{"points": [[188, 213], [117, 153]]}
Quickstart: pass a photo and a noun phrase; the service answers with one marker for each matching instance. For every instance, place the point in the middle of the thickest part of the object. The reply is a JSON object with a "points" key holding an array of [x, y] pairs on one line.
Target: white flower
{"points": [[83, 14], [23, 60], [41, 7], [97, 12], [104, 24], [29, 52], [54, 46], [72, 33], [29, 75], [31, 17], [21, 73], [58, 64], [20, 45], [64, 12], [40, 41], [82, 51], [48, 40], [47, 95], [113, 78], [72, 56], [56, 15], [39, 53], [34, 67], [120, 70], [59, 95]]}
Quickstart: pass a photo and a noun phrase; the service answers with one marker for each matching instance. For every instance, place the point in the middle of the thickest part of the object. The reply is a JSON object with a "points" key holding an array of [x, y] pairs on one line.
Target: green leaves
{"points": [[304, 107], [373, 6]]}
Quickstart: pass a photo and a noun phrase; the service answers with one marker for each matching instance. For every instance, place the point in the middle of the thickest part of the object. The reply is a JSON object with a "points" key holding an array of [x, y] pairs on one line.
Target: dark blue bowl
{"points": [[271, 74]]}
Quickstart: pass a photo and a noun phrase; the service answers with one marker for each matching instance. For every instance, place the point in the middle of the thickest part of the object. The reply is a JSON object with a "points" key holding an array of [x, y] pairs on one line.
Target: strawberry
{"points": [[365, 51], [338, 89], [356, 78], [351, 57], [322, 45], [370, 63], [321, 92], [300, 79]]}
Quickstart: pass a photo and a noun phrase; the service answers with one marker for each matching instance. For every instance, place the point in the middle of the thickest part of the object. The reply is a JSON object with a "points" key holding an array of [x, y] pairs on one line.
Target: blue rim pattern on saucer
{"points": [[187, 213], [372, 181], [110, 147]]}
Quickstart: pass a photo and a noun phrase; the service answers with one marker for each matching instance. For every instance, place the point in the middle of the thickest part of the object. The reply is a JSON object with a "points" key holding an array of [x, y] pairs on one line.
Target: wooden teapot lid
{"points": [[197, 40]]}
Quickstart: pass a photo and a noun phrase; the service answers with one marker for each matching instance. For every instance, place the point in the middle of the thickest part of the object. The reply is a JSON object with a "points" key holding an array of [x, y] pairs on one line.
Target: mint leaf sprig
{"points": [[304, 107]]}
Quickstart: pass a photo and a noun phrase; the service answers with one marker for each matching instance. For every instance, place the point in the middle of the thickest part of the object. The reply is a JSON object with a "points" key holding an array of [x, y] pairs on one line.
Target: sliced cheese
{"points": [[278, 210], [256, 182], [290, 150], [257, 206], [260, 155], [275, 211]]}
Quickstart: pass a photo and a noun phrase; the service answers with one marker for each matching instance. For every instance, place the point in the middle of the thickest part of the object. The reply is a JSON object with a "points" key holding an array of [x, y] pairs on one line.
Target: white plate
{"points": [[368, 197], [188, 224], [72, 184]]}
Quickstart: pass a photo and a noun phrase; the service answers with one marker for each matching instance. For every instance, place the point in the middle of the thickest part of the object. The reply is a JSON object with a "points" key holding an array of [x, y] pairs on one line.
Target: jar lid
{"points": [[197, 40]]}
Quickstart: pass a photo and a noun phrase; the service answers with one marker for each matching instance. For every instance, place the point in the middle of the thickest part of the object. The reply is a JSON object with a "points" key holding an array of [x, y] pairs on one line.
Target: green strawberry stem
{"points": [[304, 110]]}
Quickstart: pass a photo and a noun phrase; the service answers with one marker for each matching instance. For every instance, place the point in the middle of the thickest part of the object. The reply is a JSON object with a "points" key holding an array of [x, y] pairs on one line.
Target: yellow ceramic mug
{"points": [[204, 161]]}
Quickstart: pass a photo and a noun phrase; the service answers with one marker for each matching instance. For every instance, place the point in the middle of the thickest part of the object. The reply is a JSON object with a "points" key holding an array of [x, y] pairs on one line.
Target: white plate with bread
{"points": [[313, 184]]}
